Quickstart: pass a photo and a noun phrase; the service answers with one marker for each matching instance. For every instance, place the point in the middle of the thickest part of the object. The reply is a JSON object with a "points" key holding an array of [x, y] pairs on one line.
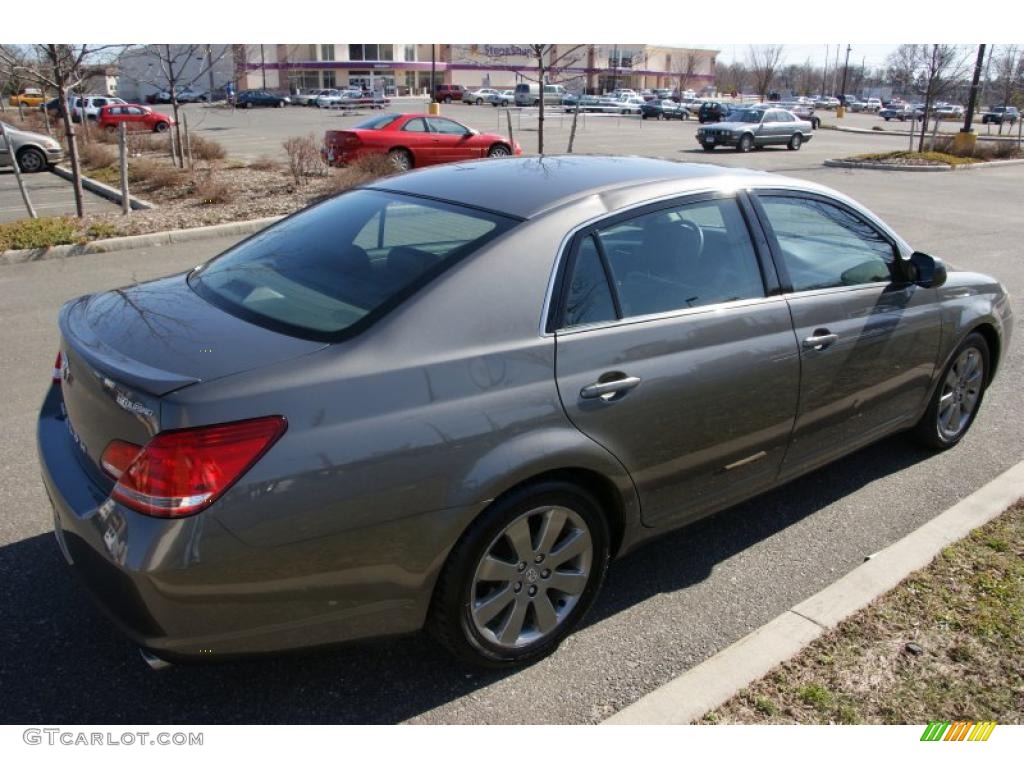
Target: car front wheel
{"points": [[522, 576], [795, 141], [499, 150], [745, 144], [160, 127], [957, 397], [31, 160]]}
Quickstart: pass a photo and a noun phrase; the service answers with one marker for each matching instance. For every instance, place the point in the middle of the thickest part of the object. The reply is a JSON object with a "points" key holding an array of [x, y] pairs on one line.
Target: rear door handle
{"points": [[608, 390], [821, 340]]}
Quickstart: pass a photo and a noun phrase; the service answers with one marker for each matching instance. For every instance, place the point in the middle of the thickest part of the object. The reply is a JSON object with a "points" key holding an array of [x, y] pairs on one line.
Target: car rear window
{"points": [[330, 270], [376, 123]]}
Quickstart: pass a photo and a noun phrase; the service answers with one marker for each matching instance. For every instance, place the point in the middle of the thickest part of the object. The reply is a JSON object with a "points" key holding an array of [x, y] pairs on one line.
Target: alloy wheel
{"points": [[531, 577], [961, 391]]}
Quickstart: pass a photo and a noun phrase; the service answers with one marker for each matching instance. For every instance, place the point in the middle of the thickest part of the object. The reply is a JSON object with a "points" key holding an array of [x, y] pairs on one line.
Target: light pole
{"points": [[841, 109]]}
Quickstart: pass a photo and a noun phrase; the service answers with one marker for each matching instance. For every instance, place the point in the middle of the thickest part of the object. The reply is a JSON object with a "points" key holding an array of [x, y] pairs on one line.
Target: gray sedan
{"points": [[33, 151], [428, 402], [746, 129]]}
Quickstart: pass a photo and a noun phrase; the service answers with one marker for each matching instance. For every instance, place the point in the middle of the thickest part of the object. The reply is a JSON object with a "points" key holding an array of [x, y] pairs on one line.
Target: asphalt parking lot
{"points": [[253, 133], [50, 194], [664, 608]]}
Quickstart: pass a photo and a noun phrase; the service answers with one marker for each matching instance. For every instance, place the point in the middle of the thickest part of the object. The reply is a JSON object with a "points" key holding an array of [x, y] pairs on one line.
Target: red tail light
{"points": [[185, 470], [58, 366]]}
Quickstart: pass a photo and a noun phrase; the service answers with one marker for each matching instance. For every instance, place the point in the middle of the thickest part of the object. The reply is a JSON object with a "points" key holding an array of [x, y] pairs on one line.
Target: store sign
{"points": [[500, 51]]}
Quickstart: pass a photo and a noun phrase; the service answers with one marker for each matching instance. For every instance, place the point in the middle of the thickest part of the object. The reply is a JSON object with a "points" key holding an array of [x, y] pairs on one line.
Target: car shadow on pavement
{"points": [[64, 663]]}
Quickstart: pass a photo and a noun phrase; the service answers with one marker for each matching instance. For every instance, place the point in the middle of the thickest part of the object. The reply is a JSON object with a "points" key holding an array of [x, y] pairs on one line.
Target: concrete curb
{"points": [[889, 132], [921, 168], [103, 190], [138, 241], [716, 680]]}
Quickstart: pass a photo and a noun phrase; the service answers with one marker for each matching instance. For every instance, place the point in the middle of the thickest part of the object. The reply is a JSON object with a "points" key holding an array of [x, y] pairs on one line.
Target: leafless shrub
{"points": [[264, 164], [140, 143], [373, 166], [97, 156], [206, 149], [155, 174], [304, 158], [213, 192]]}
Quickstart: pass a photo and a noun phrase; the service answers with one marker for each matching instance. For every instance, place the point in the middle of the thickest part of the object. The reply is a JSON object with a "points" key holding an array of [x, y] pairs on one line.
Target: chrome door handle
{"points": [[820, 341], [607, 390]]}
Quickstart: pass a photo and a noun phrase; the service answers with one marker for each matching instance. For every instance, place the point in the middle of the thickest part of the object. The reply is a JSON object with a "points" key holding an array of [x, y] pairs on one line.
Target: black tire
{"points": [[795, 141], [479, 102], [447, 99], [280, 104], [499, 150], [247, 105], [160, 127], [927, 431], [815, 124], [401, 159], [708, 147], [504, 103], [32, 160], [450, 619], [886, 119], [745, 144]]}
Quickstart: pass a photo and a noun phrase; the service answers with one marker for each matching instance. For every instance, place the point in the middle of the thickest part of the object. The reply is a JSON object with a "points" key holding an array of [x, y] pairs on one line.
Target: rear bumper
{"points": [[189, 589]]}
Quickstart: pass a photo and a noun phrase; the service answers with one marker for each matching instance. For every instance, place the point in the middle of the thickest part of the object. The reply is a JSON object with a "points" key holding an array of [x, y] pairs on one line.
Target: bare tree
{"points": [[685, 69], [733, 77], [943, 67], [902, 66], [177, 66], [550, 62], [763, 61], [1009, 74], [61, 67]]}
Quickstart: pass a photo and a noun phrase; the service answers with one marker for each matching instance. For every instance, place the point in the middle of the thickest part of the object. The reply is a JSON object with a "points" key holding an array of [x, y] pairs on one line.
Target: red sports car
{"points": [[135, 116], [415, 140]]}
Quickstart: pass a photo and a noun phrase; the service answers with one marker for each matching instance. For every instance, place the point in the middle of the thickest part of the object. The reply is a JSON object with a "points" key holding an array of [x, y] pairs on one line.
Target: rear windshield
{"points": [[330, 270], [375, 123]]}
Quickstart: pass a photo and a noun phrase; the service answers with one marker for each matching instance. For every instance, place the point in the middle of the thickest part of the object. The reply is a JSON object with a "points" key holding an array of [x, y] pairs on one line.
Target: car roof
{"points": [[543, 183]]}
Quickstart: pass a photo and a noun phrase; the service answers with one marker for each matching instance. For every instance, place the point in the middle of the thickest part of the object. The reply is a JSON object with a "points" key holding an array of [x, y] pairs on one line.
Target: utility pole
{"points": [[433, 77], [841, 109], [824, 74], [965, 140]]}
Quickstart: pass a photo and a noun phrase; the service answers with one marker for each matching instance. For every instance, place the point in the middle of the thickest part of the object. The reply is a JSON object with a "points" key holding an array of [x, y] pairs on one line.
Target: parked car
{"points": [[448, 93], [135, 116], [873, 104], [949, 111], [381, 439], [184, 95], [256, 98], [414, 140], [90, 106], [900, 112], [1000, 115], [803, 111], [33, 152], [479, 96], [664, 109], [528, 94], [353, 98], [502, 98], [30, 97], [309, 98], [747, 129], [712, 111], [629, 105]]}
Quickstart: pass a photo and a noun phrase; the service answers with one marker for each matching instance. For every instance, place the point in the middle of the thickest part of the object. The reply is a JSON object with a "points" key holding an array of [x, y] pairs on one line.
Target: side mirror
{"points": [[926, 271], [472, 132]]}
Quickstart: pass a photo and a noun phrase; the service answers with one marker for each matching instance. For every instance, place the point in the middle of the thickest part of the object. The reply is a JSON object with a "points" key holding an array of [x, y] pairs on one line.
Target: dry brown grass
{"points": [[97, 155], [965, 614], [210, 191], [264, 164], [152, 174], [374, 166]]}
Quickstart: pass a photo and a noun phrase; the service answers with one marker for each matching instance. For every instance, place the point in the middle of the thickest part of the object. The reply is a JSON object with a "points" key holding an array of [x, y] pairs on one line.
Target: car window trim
{"points": [[776, 250], [553, 316]]}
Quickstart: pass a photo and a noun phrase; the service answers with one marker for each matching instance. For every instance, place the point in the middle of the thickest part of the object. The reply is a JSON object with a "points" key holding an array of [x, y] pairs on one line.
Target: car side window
{"points": [[416, 125], [824, 245], [440, 125], [589, 296], [688, 256]]}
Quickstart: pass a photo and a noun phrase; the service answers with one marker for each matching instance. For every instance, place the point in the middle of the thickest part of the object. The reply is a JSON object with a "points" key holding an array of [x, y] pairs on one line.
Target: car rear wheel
{"points": [[31, 160], [499, 150], [795, 141], [522, 576], [160, 127], [447, 99], [957, 397], [247, 105], [745, 144], [401, 159]]}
